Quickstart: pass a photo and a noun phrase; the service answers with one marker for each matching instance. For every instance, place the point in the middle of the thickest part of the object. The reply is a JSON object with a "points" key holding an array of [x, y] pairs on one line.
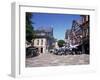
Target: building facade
{"points": [[67, 38], [75, 33], [43, 39], [85, 33], [79, 33], [40, 43]]}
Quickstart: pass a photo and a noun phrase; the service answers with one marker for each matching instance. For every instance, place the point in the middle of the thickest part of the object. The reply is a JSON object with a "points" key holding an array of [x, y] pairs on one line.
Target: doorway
{"points": [[41, 50]]}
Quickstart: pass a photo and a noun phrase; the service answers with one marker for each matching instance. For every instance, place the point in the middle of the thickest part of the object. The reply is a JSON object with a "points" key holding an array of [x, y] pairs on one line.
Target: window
{"points": [[37, 42], [42, 42]]}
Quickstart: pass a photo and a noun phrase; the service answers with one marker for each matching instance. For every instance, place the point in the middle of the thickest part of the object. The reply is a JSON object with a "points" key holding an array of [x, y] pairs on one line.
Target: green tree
{"points": [[29, 28], [61, 43]]}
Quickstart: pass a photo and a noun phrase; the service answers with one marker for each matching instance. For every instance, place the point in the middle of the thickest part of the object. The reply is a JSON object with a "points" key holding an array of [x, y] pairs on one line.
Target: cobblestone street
{"points": [[56, 60]]}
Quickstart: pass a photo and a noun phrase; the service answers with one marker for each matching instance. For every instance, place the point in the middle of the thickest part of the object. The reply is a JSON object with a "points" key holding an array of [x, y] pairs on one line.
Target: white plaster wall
{"points": [[39, 46]]}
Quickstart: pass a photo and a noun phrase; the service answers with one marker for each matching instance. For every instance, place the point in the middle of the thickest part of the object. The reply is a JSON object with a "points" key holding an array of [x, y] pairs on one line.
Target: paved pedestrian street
{"points": [[56, 60]]}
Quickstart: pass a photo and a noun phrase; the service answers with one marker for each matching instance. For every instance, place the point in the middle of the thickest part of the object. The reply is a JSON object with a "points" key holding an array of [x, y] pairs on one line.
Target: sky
{"points": [[59, 22]]}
